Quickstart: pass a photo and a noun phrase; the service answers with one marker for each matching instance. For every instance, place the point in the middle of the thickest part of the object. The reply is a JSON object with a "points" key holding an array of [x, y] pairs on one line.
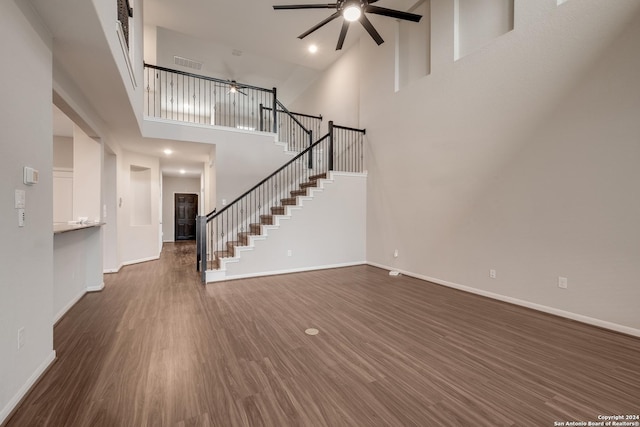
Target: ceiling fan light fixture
{"points": [[352, 12], [233, 89]]}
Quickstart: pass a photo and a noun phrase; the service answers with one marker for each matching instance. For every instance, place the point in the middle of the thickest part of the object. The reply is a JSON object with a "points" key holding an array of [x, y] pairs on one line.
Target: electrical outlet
{"points": [[395, 253], [289, 252], [21, 217], [20, 338], [492, 274], [563, 282]]}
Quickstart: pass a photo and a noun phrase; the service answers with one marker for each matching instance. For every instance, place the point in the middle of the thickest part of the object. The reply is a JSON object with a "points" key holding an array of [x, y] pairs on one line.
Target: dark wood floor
{"points": [[156, 348]]}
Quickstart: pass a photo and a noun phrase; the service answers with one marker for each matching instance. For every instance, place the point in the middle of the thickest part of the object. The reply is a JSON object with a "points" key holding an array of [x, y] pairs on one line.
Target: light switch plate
{"points": [[20, 199]]}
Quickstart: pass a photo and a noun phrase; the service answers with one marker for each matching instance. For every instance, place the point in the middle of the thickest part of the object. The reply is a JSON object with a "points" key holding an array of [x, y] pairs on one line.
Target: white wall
{"points": [[516, 158], [478, 22], [26, 254], [62, 195], [241, 159], [110, 214], [336, 93], [62, 152], [87, 173], [130, 62], [77, 267], [170, 186], [329, 231], [138, 242]]}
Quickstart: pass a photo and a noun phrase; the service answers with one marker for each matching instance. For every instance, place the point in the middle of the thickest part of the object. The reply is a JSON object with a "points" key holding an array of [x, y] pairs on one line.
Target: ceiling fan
{"points": [[352, 10], [234, 88]]}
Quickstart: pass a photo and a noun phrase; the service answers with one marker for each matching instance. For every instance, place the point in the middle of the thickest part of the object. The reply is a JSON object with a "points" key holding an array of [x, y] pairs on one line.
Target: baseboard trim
{"points": [[67, 307], [13, 404], [534, 306], [112, 270], [138, 261], [96, 288], [294, 270]]}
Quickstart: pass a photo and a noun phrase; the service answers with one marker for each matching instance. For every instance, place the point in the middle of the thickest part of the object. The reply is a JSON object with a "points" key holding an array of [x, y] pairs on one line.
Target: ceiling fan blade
{"points": [[239, 91], [393, 13], [320, 25], [343, 34], [305, 6], [372, 31]]}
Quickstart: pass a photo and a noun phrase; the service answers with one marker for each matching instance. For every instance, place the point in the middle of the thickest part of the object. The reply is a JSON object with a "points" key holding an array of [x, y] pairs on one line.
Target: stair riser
{"points": [[231, 248]]}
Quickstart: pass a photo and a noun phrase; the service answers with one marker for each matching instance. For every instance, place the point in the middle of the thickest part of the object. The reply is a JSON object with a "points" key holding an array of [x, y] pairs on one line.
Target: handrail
{"points": [[211, 214], [362, 131], [269, 177], [213, 79], [311, 116], [296, 121]]}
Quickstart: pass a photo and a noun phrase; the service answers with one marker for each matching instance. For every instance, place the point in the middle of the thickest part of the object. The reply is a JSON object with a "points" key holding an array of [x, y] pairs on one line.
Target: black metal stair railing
{"points": [[186, 97], [290, 126], [221, 232]]}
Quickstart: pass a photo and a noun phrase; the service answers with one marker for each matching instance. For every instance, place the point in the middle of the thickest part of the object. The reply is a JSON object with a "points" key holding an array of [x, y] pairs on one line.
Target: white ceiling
{"points": [[271, 55]]}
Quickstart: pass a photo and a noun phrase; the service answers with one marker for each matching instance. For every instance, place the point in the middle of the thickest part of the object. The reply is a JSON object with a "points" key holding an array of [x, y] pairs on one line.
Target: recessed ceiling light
{"points": [[182, 171], [167, 151], [313, 48]]}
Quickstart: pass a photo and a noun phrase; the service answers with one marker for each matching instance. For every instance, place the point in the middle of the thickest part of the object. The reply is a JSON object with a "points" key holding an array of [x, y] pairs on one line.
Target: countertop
{"points": [[63, 227]]}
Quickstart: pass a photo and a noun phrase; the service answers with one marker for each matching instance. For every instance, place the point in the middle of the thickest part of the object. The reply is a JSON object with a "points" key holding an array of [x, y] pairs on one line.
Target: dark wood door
{"points": [[186, 206]]}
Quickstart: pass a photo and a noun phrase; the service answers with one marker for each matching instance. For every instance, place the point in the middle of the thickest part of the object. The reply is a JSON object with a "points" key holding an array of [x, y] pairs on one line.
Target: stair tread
{"points": [[266, 219], [318, 176], [309, 184], [290, 201], [302, 192]]}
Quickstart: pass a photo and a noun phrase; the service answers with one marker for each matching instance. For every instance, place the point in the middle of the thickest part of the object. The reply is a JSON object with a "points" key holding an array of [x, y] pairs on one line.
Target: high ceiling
{"points": [[243, 40]]}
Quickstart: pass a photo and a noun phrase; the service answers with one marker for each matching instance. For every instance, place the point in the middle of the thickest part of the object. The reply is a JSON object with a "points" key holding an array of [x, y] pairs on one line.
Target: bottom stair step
{"points": [[223, 254]]}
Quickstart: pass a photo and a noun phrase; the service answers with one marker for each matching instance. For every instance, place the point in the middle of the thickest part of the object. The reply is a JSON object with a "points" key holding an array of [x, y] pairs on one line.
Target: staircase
{"points": [[224, 235], [245, 239]]}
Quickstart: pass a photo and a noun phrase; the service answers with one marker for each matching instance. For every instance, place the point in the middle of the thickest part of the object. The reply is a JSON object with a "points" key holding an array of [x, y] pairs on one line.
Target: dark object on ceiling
{"points": [[352, 10]]}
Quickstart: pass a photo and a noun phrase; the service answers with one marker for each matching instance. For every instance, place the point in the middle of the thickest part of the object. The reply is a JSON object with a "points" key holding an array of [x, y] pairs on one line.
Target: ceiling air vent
{"points": [[189, 63]]}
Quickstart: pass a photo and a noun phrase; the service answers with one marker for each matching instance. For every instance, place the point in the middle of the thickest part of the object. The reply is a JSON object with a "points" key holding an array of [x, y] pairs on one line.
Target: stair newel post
{"points": [[198, 239], [261, 117], [310, 134], [275, 111], [330, 145], [201, 246]]}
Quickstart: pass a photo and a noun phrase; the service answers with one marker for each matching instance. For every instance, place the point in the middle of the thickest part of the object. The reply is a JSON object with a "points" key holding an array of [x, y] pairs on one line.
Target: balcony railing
{"points": [[186, 97]]}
